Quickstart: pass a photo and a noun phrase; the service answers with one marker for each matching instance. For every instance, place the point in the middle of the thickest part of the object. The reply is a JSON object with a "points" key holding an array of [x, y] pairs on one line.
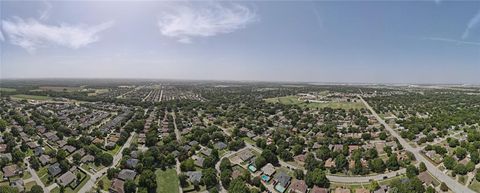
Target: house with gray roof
{"points": [[127, 174], [66, 178], [194, 176], [54, 169]]}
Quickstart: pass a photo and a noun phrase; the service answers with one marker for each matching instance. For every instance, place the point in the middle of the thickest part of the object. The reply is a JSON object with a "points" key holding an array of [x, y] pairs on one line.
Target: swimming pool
{"points": [[252, 168], [265, 178]]}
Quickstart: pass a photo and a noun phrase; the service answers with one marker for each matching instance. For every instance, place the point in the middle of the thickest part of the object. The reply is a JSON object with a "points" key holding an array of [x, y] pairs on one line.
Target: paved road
{"points": [[116, 159], [34, 175], [178, 136], [451, 183]]}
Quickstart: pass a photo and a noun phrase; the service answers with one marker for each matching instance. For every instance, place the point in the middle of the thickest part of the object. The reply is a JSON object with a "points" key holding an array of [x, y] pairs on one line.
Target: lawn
{"points": [[293, 100], [115, 150], [26, 175], [106, 183], [29, 185], [167, 181], [475, 186], [30, 97], [7, 90]]}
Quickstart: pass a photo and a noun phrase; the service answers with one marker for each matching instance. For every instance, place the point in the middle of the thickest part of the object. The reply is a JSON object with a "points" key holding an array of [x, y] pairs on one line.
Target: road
{"points": [[451, 183], [178, 136], [116, 159], [34, 175]]}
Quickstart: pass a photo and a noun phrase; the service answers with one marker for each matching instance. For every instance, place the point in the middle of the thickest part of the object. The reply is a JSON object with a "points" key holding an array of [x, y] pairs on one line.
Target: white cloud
{"points": [[32, 34], [474, 21], [453, 41], [187, 22], [1, 36]]}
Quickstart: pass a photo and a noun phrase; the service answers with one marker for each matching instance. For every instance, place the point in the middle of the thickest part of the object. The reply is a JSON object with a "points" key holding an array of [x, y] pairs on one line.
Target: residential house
{"points": [[127, 174], [66, 178], [117, 186], [54, 169], [298, 186]]}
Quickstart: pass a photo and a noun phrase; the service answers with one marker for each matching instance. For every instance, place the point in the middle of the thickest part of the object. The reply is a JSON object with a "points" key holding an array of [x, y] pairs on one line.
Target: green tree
{"points": [[148, 180], [238, 186], [317, 177], [129, 186]]}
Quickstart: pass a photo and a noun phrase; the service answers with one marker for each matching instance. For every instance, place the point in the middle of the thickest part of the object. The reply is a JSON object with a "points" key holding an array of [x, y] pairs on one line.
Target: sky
{"points": [[310, 41]]}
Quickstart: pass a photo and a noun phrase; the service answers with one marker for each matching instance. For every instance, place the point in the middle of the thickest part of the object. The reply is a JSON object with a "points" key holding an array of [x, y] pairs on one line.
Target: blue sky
{"points": [[316, 41]]}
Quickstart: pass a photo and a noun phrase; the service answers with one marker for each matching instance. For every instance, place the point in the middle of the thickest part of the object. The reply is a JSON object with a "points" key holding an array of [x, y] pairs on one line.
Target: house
{"points": [[132, 163], [220, 145], [110, 145], [44, 159], [87, 158], [194, 176], [298, 186], [268, 169], [19, 184], [426, 178], [54, 169], [341, 190], [193, 143], [282, 180], [300, 158], [3, 148], [245, 155], [66, 178], [317, 189], [198, 161], [329, 163], [382, 189], [69, 148], [38, 151], [127, 174], [32, 145], [10, 171], [61, 143], [206, 151], [362, 190], [117, 186]]}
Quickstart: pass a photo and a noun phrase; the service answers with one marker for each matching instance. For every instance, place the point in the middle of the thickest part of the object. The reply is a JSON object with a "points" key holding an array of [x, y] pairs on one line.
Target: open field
{"points": [[7, 90], [167, 181], [293, 100], [59, 88], [475, 186], [30, 97]]}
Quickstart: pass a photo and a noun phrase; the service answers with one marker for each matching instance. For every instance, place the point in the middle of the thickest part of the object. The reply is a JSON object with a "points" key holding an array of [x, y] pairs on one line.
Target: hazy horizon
{"points": [[437, 42]]}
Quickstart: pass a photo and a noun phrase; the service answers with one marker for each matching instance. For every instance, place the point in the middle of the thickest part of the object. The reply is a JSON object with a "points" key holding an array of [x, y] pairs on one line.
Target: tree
{"points": [[269, 157], [460, 169], [461, 153], [422, 167], [34, 162], [36, 189], [477, 176], [148, 180], [187, 165], [412, 171], [209, 177], [341, 162], [443, 187], [299, 174], [183, 180], [377, 165], [317, 177], [129, 186], [449, 162], [475, 157], [374, 186], [112, 172], [430, 190], [238, 186], [392, 163]]}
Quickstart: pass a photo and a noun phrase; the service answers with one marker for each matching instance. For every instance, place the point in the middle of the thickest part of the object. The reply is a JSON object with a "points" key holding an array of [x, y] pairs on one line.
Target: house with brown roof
{"points": [[268, 169], [329, 163], [3, 148], [341, 190], [10, 171], [298, 186], [426, 178], [317, 189], [117, 186], [66, 178], [362, 190]]}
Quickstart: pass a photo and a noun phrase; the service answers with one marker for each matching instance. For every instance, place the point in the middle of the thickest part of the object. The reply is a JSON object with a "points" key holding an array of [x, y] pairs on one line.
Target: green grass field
{"points": [[167, 181], [7, 90], [475, 186], [30, 97], [293, 100]]}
